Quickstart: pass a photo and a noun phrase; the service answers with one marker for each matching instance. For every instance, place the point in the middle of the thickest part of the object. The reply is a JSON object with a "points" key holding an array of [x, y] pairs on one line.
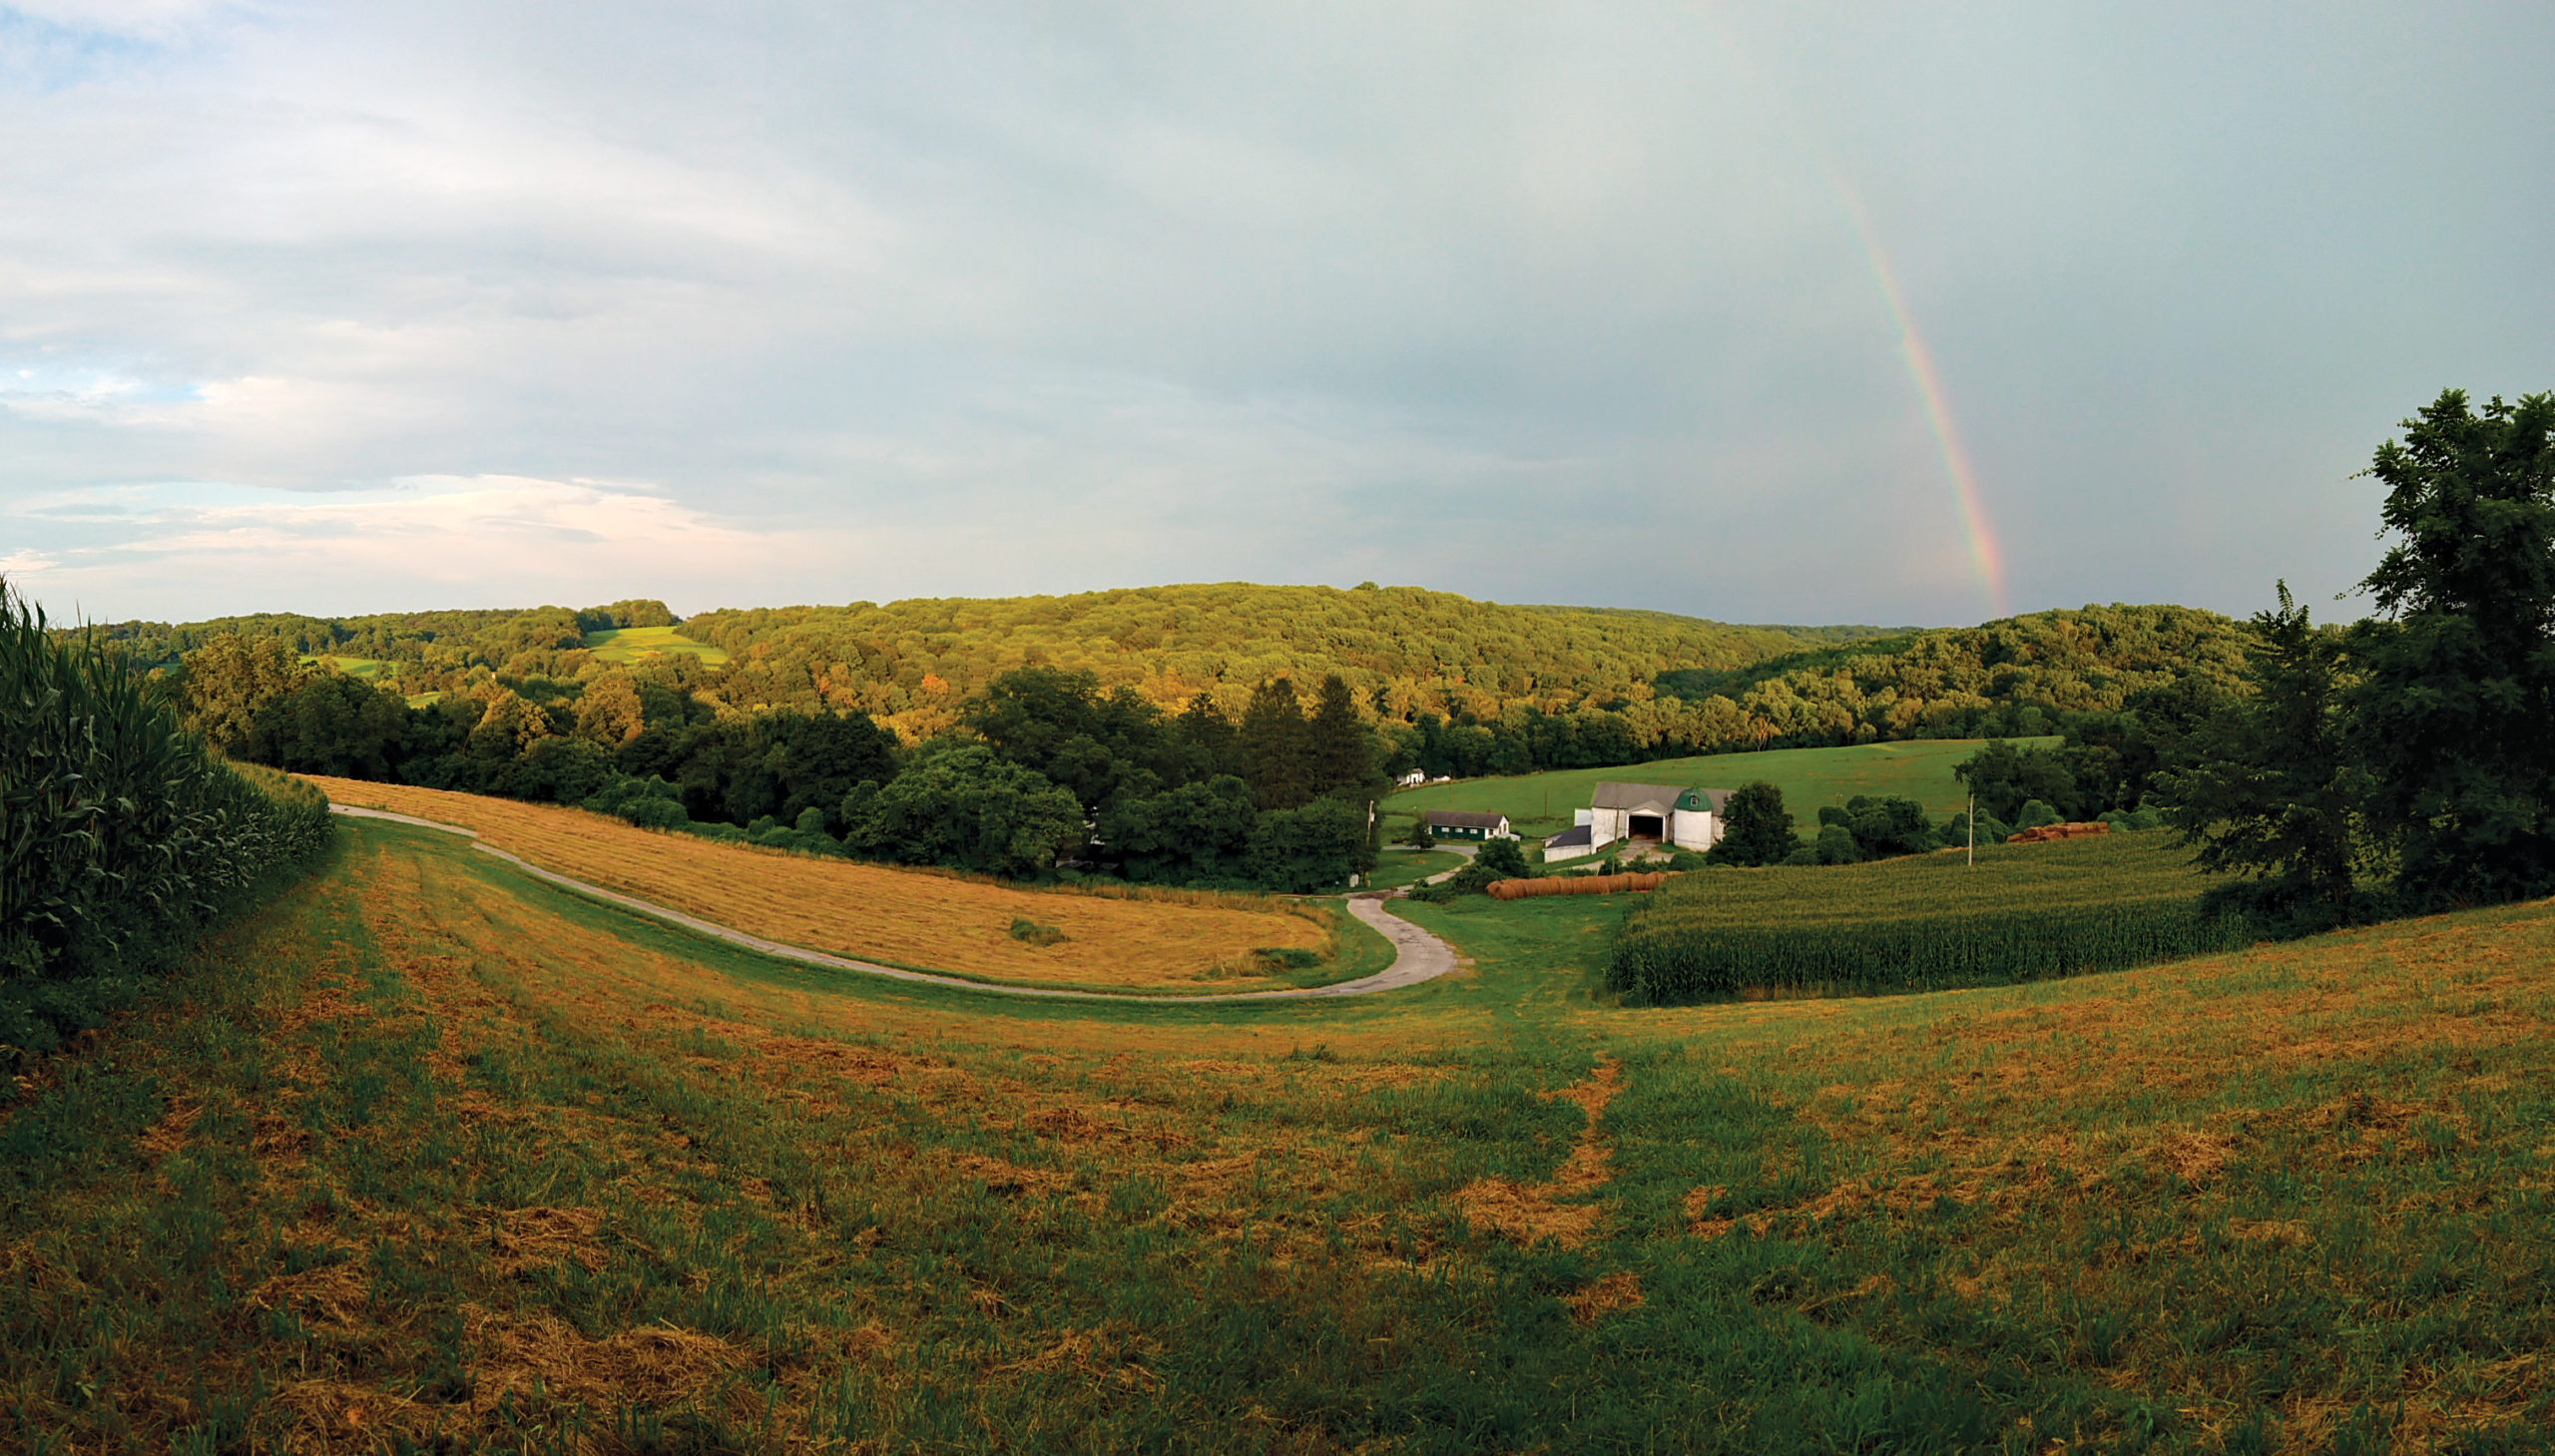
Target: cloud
{"points": [[176, 549], [1007, 299]]}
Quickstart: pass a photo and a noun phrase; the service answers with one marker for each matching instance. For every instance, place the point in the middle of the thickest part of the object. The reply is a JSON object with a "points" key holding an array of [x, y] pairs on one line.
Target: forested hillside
{"points": [[1402, 650], [2012, 675], [1199, 731]]}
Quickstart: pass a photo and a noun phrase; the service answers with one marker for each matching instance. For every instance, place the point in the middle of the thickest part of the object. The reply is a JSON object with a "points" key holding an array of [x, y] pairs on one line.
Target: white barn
{"points": [[1638, 816]]}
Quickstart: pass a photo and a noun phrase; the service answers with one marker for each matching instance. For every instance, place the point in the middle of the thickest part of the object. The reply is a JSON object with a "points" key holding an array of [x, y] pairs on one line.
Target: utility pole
{"points": [[1973, 828]]}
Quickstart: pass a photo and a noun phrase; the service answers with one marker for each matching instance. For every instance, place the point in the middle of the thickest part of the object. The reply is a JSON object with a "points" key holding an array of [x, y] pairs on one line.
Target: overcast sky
{"points": [[1700, 307]]}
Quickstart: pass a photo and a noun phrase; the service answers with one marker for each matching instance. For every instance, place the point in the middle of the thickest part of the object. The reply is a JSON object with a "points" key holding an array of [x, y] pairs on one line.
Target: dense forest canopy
{"points": [[1401, 650], [1480, 686]]}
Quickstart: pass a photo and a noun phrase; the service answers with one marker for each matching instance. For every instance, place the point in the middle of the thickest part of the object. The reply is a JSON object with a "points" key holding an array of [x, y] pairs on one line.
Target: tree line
{"points": [[1046, 769]]}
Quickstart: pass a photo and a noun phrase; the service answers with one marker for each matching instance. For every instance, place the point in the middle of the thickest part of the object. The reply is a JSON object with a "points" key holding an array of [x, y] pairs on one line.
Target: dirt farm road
{"points": [[1418, 955]]}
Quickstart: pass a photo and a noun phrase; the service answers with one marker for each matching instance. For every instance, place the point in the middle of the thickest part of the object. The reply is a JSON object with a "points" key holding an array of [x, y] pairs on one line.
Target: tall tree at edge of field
{"points": [[1761, 828], [1274, 750], [1339, 749], [2267, 789], [2454, 710]]}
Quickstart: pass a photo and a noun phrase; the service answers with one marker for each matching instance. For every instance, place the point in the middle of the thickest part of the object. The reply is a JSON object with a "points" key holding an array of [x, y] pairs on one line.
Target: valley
{"points": [[431, 1153]]}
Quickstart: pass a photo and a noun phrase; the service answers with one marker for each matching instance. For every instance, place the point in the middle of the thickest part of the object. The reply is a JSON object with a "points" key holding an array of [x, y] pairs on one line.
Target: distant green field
{"points": [[630, 643], [354, 667], [1809, 778]]}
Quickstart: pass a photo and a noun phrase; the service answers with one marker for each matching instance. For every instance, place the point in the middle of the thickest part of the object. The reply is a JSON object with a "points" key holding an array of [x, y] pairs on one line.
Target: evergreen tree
{"points": [[1338, 749], [2267, 792], [2454, 715], [1273, 744]]}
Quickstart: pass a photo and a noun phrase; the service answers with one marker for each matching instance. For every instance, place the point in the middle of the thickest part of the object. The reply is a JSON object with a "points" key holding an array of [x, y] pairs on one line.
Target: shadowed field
{"points": [[1158, 940], [431, 1156]]}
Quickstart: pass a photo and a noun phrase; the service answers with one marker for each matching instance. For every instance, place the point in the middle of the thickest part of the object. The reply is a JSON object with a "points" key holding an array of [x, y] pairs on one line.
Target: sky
{"points": [[1783, 312]]}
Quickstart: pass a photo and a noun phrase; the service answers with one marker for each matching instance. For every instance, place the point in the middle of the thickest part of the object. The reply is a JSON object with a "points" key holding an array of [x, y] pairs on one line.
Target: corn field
{"points": [[1585, 884], [118, 830], [2025, 912]]}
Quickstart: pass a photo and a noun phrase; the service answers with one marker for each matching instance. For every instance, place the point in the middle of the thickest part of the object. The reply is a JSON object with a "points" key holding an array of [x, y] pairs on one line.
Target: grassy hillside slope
{"points": [[919, 919], [1541, 803], [438, 1157]]}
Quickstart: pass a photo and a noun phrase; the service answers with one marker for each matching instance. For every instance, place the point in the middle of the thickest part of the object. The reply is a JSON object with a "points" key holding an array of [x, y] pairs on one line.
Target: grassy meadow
{"points": [[1400, 866], [1541, 803], [630, 643], [365, 667], [430, 1156], [1139, 941]]}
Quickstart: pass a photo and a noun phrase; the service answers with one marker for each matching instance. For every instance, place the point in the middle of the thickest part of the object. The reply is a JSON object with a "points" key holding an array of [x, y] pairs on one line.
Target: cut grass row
{"points": [[1810, 778], [1158, 941]]}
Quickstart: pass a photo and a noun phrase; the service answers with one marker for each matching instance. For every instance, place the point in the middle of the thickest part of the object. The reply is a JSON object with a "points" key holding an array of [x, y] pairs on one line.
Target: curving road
{"points": [[1418, 955]]}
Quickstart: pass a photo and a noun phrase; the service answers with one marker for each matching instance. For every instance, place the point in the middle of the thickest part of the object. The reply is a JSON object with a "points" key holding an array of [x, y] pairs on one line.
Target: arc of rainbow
{"points": [[1984, 553]]}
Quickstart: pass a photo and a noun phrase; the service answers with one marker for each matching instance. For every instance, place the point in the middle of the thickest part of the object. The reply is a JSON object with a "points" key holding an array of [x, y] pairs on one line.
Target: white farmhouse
{"points": [[1638, 816]]}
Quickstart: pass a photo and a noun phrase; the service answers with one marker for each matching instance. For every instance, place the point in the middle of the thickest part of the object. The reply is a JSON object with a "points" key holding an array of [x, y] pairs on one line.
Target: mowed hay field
{"points": [[916, 919], [1541, 803], [434, 1156]]}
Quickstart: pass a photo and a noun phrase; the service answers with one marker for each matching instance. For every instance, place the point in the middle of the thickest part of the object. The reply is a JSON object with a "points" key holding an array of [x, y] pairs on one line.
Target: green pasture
{"points": [[367, 668], [1809, 777], [630, 643]]}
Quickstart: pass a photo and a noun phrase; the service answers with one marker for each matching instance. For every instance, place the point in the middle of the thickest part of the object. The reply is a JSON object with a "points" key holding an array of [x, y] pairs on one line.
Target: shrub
{"points": [[1837, 846], [1029, 932], [1473, 879], [1505, 856], [2036, 814]]}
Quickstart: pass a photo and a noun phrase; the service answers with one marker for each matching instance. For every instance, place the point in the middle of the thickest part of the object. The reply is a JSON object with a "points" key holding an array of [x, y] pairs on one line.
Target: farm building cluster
{"points": [[1626, 818]]}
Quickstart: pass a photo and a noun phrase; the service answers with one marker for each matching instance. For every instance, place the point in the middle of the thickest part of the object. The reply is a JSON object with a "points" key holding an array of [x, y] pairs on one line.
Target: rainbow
{"points": [[1984, 553], [1983, 549]]}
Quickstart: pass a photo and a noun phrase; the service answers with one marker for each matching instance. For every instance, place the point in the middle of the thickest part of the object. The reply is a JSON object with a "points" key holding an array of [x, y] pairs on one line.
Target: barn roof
{"points": [[1648, 799], [1464, 819], [1652, 798], [1573, 838]]}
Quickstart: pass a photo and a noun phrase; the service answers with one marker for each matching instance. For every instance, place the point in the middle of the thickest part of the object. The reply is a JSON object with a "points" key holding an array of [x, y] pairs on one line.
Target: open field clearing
{"points": [[917, 919], [1923, 921], [365, 668], [630, 643], [1541, 803], [431, 1156]]}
